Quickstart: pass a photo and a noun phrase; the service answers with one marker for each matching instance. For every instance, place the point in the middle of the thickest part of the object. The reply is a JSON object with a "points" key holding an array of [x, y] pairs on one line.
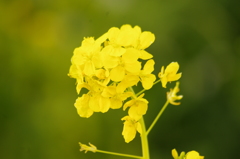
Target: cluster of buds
{"points": [[109, 66]]}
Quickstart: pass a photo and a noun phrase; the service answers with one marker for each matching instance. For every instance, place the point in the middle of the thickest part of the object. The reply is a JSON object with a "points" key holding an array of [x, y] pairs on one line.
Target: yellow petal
{"points": [[147, 81], [129, 131], [133, 113], [134, 67], [174, 77], [164, 82], [131, 55], [138, 109], [89, 68], [127, 36], [149, 67], [113, 33], [146, 39], [116, 103], [139, 128], [113, 51], [117, 73], [94, 104], [172, 68], [82, 106], [110, 61], [104, 104], [137, 31], [174, 153], [99, 103], [109, 91], [145, 55], [128, 104]]}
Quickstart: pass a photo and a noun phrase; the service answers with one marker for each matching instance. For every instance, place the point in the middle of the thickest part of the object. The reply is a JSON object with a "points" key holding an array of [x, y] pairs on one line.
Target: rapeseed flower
{"points": [[87, 57], [116, 96], [130, 128], [138, 107], [169, 74]]}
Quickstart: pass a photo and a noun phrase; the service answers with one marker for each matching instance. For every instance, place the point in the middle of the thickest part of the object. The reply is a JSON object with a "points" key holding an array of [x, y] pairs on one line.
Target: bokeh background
{"points": [[37, 116]]}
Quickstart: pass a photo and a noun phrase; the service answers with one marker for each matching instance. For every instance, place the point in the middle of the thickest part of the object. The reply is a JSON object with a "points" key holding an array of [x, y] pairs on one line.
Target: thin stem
{"points": [[157, 117], [119, 154], [144, 140]]}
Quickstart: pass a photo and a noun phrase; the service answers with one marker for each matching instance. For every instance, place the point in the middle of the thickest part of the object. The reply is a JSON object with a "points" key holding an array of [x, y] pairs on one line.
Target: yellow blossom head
{"points": [[169, 74]]}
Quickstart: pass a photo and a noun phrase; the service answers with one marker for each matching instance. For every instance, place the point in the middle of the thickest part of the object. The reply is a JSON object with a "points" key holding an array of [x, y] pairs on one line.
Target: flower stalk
{"points": [[157, 117]]}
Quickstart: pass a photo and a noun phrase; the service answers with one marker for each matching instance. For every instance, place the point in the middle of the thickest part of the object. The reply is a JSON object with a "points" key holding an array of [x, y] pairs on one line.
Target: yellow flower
{"points": [[120, 66], [116, 95], [169, 74], [82, 106], [128, 81], [96, 102], [99, 103], [146, 77], [138, 107], [92, 85], [130, 128], [172, 95], [125, 36], [87, 56], [193, 155], [102, 76], [86, 148]]}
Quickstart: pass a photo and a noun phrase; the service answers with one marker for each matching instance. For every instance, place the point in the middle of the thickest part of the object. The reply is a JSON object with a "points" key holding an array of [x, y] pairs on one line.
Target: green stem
{"points": [[157, 117], [119, 154], [144, 140]]}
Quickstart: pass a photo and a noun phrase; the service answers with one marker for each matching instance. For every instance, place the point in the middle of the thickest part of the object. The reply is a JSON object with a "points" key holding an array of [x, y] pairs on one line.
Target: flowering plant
{"points": [[109, 67]]}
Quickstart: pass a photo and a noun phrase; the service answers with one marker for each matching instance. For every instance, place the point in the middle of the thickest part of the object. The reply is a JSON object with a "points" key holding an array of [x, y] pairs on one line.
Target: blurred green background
{"points": [[37, 116]]}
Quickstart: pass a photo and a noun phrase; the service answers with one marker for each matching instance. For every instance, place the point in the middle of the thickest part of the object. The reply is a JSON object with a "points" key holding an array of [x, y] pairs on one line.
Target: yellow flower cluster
{"points": [[109, 66]]}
